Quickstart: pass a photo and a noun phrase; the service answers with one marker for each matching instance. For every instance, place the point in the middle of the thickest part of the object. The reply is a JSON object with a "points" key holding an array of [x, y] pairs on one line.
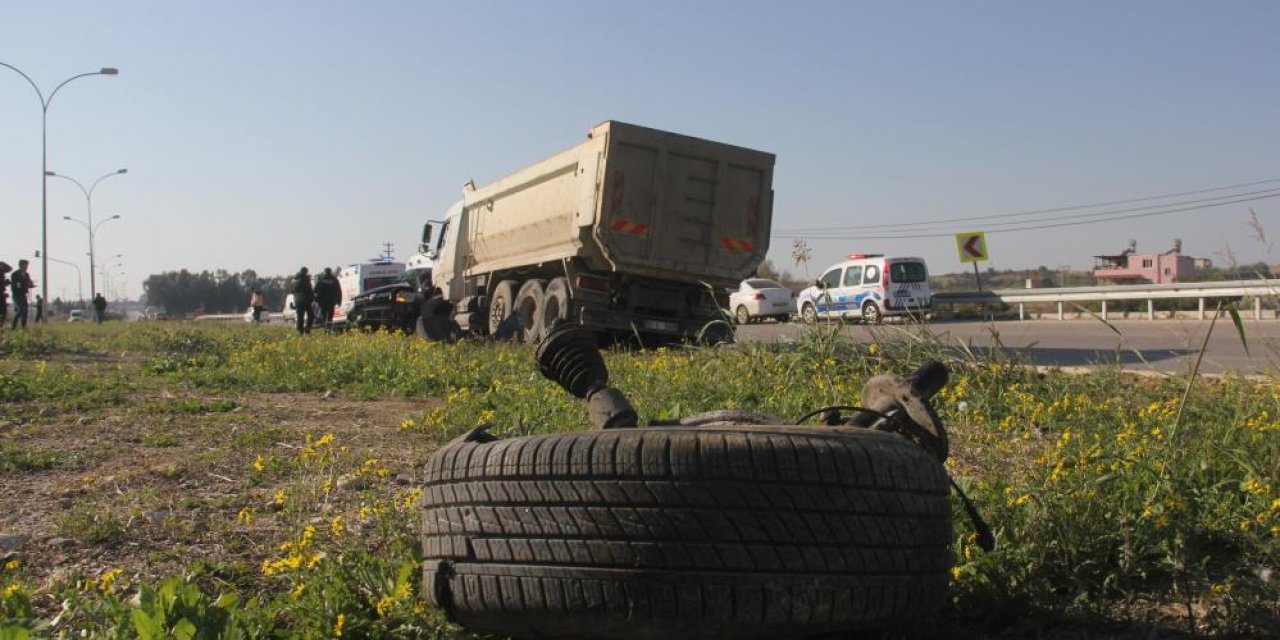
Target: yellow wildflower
{"points": [[298, 591], [245, 517], [108, 579], [258, 464], [11, 591], [12, 565], [338, 624]]}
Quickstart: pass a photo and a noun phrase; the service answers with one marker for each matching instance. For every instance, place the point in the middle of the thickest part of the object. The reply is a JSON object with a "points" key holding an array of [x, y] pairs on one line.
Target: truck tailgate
{"points": [[675, 206]]}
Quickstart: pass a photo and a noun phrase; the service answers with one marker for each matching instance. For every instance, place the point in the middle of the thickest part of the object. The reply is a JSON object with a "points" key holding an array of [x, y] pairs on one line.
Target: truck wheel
{"points": [[529, 307], [556, 302], [871, 313], [809, 314], [502, 309], [686, 533], [741, 315]]}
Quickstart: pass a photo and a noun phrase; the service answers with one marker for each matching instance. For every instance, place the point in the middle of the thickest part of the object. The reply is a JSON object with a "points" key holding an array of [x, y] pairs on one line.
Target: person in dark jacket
{"points": [[4, 292], [19, 284], [303, 296], [99, 308], [328, 295]]}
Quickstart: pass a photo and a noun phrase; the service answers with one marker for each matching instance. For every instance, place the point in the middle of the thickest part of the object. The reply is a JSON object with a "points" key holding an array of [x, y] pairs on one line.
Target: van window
{"points": [[370, 283], [831, 279], [853, 277], [906, 272], [873, 274]]}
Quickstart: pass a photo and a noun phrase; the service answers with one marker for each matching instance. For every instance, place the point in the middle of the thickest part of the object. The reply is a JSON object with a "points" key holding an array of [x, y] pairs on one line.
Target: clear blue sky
{"points": [[269, 135]]}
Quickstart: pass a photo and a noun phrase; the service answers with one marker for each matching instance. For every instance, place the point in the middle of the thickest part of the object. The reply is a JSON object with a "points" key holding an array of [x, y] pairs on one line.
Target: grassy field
{"points": [[171, 479]]}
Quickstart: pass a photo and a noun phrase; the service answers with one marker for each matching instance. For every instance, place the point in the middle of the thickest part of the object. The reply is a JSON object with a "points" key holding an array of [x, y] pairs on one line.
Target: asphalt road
{"points": [[1144, 345]]}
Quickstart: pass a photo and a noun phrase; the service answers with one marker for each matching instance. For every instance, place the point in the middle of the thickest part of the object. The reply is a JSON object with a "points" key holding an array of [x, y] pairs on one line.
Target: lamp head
{"points": [[123, 171], [109, 71], [50, 174]]}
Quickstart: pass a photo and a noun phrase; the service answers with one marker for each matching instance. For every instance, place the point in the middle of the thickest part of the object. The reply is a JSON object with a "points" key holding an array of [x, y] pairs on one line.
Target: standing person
{"points": [[19, 284], [99, 308], [4, 292], [257, 301], [304, 297], [328, 295], [39, 308]]}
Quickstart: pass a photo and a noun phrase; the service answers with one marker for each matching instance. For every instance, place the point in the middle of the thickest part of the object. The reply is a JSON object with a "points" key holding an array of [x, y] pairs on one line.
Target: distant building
{"points": [[1131, 267]]}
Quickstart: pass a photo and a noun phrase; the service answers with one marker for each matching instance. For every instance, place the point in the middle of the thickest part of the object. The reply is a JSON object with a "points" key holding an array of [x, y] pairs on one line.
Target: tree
{"points": [[183, 292]]}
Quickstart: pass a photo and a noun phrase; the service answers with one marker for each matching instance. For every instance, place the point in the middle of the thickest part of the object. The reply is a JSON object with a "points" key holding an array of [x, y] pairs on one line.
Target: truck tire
{"points": [[502, 306], [557, 302], [668, 533], [530, 301]]}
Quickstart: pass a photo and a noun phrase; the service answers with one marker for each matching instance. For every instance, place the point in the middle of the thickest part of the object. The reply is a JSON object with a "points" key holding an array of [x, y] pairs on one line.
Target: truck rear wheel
{"points": [[556, 302], [530, 302], [502, 308]]}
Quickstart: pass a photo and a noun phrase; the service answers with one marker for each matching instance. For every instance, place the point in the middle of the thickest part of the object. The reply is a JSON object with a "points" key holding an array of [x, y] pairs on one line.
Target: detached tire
{"points": [[678, 533]]}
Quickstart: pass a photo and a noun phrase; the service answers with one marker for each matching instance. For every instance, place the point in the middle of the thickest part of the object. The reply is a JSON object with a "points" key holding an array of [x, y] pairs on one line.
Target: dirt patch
{"points": [[155, 484]]}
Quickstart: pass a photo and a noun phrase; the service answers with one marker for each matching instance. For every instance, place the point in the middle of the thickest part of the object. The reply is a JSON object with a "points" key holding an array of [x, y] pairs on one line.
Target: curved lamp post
{"points": [[88, 199], [44, 162], [93, 230], [79, 276]]}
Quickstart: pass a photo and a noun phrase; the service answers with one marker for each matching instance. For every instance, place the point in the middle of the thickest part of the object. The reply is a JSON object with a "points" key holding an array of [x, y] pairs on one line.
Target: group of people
{"points": [[318, 299], [18, 283]]}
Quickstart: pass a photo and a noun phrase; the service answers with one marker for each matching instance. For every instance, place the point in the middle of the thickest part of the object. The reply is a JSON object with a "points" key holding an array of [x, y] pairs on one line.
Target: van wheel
{"points": [[530, 302], [742, 316], [809, 314], [555, 302], [871, 313], [502, 310]]}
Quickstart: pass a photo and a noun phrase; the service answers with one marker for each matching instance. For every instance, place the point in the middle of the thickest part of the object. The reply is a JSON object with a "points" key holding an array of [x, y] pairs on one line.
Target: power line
{"points": [[1144, 214], [1033, 212]]}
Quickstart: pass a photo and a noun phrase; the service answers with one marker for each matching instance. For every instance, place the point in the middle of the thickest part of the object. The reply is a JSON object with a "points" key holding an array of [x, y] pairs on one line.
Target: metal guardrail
{"points": [[1255, 289]]}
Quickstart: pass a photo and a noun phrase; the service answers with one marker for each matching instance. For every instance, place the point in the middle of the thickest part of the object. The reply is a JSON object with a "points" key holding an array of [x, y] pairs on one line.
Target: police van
{"points": [[869, 286]]}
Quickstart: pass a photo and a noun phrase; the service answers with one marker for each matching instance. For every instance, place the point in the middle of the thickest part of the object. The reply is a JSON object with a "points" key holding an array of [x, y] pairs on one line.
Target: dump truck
{"points": [[635, 231]]}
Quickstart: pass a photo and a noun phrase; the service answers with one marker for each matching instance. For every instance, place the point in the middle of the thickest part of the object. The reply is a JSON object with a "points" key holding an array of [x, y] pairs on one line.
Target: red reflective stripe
{"points": [[735, 244], [627, 226]]}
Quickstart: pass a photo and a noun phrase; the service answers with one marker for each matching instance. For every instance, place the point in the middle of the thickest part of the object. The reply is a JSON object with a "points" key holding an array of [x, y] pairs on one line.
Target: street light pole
{"points": [[79, 276], [44, 162], [93, 230], [88, 199]]}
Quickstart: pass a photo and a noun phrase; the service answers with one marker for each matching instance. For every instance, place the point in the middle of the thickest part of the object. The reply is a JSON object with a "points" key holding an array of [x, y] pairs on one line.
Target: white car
{"points": [[76, 315], [758, 298]]}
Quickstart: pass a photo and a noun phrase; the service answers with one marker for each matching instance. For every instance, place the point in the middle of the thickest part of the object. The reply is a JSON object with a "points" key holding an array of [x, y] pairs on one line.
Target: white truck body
{"points": [[633, 230]]}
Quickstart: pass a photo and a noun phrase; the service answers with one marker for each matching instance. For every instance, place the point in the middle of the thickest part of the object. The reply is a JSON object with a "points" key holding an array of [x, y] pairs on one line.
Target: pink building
{"points": [[1131, 267]]}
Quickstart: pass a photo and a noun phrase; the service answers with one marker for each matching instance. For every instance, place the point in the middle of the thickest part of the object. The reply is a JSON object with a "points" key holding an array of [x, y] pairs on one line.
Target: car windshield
{"points": [[759, 283], [906, 272]]}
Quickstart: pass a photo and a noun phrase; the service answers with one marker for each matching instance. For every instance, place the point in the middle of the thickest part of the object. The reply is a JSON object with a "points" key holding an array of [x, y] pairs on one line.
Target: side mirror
{"points": [[819, 284]]}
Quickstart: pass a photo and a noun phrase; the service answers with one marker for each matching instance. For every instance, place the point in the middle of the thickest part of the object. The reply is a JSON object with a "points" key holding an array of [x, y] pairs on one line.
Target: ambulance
{"points": [[870, 287], [359, 278]]}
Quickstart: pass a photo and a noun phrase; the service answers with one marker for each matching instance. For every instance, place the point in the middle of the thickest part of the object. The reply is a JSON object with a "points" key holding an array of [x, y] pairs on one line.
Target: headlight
{"points": [[402, 297]]}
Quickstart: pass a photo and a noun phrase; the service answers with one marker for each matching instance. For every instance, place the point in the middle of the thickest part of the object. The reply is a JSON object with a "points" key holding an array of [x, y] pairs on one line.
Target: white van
{"points": [[869, 286], [359, 278]]}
